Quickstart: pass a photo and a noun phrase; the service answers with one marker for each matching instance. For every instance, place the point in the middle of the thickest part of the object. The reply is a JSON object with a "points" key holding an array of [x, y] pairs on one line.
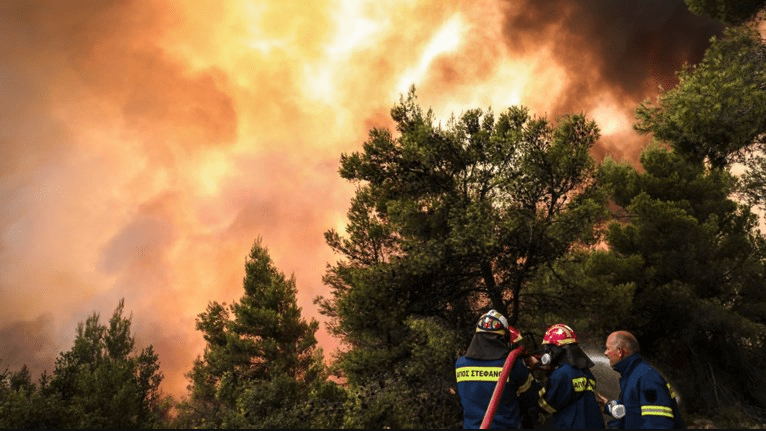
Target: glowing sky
{"points": [[145, 144]]}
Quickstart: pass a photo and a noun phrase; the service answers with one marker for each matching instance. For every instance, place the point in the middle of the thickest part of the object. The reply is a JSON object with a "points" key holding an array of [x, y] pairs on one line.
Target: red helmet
{"points": [[559, 335], [495, 323]]}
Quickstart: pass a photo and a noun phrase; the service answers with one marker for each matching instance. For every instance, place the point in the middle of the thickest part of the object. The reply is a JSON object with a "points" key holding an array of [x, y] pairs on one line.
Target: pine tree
{"points": [[261, 365], [696, 266], [101, 382], [447, 222]]}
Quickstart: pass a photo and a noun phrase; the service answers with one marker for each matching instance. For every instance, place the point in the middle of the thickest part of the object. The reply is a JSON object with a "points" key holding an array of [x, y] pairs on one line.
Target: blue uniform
{"points": [[569, 395], [476, 381], [648, 399]]}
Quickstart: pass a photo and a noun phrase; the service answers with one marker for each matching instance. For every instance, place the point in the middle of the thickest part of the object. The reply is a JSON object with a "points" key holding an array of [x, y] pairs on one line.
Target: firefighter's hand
{"points": [[601, 400], [532, 362]]}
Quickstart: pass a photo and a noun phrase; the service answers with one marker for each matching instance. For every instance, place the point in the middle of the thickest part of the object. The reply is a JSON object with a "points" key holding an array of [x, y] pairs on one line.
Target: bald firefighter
{"points": [[646, 400]]}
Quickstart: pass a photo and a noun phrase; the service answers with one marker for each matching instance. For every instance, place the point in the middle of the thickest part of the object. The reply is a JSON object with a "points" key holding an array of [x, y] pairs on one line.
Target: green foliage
{"points": [[700, 293], [261, 367], [103, 383], [718, 110], [753, 182], [100, 383], [729, 11], [697, 265], [590, 290], [447, 222], [416, 392], [27, 406]]}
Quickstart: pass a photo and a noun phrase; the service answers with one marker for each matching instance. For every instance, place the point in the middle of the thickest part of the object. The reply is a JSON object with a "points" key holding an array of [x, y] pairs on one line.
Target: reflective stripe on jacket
{"points": [[476, 380], [569, 395], [648, 399]]}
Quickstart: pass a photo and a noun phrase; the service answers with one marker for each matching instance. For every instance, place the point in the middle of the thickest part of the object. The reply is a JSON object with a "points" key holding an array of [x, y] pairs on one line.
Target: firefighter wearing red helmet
{"points": [[569, 391], [478, 370]]}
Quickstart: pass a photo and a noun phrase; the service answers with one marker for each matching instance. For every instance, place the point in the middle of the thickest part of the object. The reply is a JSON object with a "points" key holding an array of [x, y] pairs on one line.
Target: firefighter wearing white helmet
{"points": [[478, 370]]}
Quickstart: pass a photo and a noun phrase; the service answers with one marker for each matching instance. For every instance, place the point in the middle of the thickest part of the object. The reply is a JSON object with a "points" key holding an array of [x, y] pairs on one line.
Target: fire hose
{"points": [[489, 415]]}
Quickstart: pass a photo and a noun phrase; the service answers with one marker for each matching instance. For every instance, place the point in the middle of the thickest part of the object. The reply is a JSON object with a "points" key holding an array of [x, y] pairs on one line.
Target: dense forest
{"points": [[507, 211]]}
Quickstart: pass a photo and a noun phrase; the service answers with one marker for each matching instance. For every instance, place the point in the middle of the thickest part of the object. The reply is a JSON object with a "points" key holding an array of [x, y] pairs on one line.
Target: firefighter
{"points": [[646, 400], [569, 393], [478, 370]]}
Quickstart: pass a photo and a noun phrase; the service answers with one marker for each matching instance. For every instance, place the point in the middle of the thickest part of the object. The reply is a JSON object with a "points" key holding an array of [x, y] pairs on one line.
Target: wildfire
{"points": [[174, 133]]}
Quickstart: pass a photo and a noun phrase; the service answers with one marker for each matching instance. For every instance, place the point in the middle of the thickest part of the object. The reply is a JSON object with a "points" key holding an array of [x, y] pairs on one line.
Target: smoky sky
{"points": [[623, 48], [146, 144]]}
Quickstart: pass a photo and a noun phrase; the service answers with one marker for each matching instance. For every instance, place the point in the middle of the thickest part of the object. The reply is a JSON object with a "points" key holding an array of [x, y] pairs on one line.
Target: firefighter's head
{"points": [[620, 345], [495, 323], [554, 341]]}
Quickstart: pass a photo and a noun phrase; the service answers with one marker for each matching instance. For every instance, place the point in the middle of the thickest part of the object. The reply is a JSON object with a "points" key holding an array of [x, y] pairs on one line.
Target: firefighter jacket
{"points": [[569, 395], [476, 381], [648, 399]]}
